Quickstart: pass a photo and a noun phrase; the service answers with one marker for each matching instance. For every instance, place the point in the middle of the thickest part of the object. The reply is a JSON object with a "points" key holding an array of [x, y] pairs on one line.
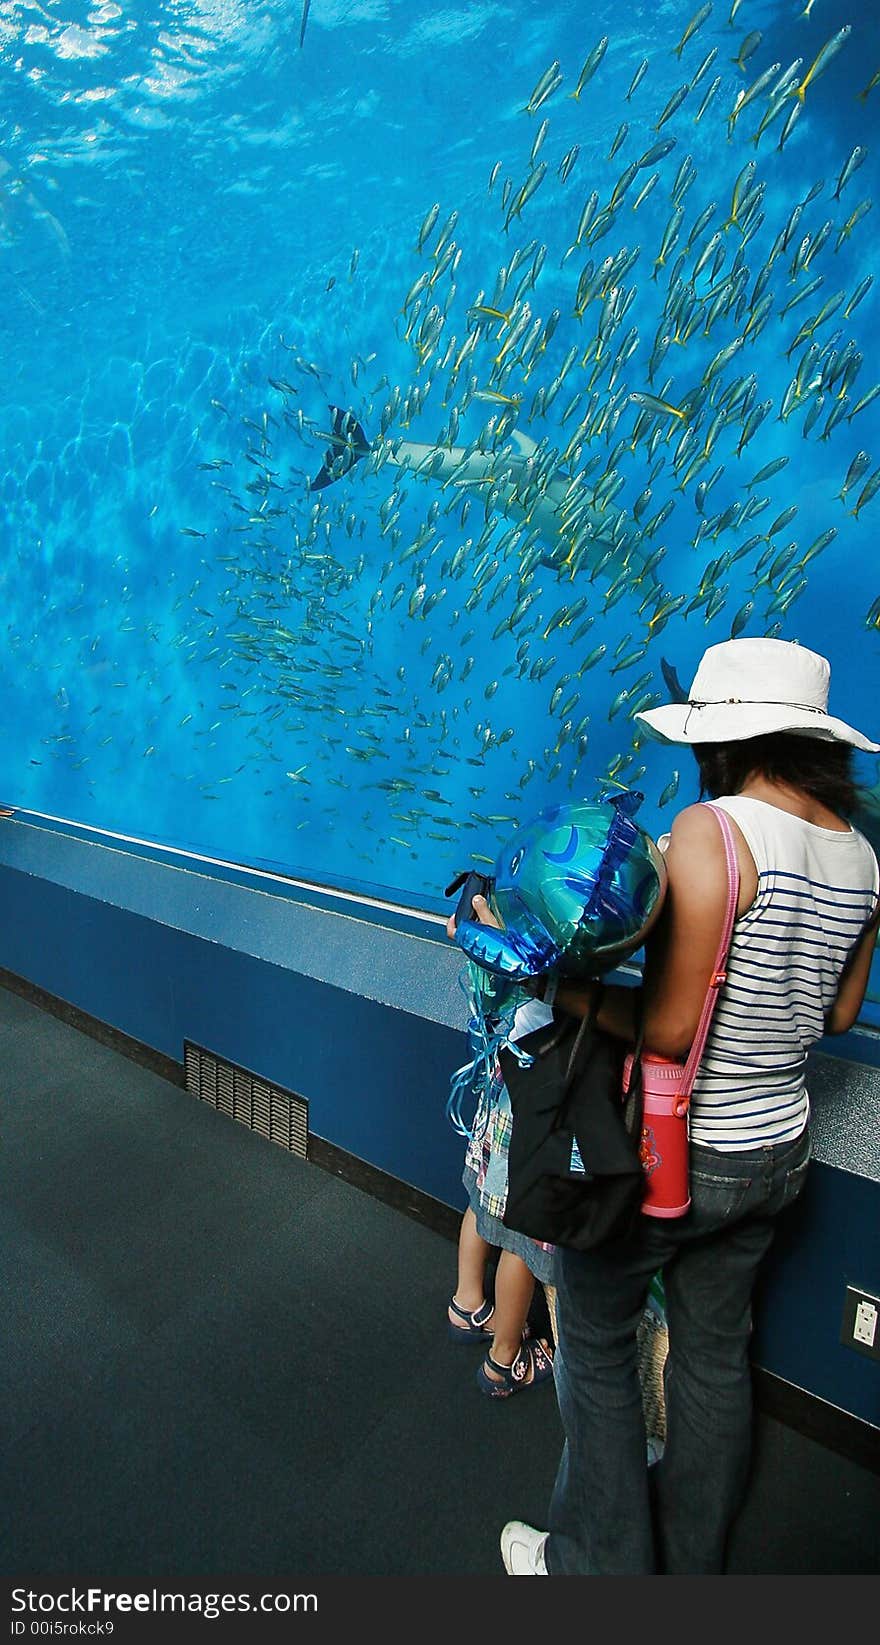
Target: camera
{"points": [[470, 884]]}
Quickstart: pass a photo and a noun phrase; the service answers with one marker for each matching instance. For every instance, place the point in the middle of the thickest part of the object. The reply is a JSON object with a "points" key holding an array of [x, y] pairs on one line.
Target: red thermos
{"points": [[664, 1143]]}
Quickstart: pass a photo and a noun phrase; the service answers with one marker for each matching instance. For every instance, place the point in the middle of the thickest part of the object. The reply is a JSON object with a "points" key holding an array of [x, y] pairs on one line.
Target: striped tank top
{"points": [[817, 887]]}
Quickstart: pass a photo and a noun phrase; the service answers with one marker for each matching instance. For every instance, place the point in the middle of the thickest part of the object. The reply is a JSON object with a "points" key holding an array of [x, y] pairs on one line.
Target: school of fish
{"points": [[583, 429], [580, 470]]}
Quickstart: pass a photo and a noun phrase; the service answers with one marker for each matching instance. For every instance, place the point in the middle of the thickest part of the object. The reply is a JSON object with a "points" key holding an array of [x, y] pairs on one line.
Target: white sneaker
{"points": [[522, 1549]]}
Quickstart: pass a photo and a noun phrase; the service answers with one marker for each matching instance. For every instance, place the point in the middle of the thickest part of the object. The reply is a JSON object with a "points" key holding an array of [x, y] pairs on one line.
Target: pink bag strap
{"points": [[719, 973]]}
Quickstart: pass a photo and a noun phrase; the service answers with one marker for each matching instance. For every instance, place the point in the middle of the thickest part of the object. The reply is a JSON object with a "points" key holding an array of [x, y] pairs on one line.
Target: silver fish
{"points": [[695, 23], [619, 138], [637, 78], [741, 619], [428, 224], [550, 80], [674, 103], [744, 98], [651, 183], [567, 162], [817, 546], [748, 47], [767, 472], [590, 66], [850, 165], [657, 151], [670, 790], [822, 59], [869, 490], [855, 217], [540, 135], [707, 99], [866, 400], [704, 67], [789, 126], [861, 289]]}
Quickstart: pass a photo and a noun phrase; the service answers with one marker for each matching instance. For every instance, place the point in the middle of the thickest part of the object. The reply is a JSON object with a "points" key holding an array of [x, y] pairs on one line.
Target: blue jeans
{"points": [[610, 1515]]}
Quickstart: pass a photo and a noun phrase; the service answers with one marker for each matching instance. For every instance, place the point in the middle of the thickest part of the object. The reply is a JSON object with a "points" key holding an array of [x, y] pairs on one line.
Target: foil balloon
{"points": [[576, 890]]}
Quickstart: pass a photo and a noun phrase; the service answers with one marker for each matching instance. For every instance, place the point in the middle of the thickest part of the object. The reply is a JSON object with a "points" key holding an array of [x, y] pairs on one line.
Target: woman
{"points": [[778, 764]]}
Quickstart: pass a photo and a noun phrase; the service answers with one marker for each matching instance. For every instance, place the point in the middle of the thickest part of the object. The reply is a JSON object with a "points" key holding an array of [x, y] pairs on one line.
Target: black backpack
{"points": [[574, 1173]]}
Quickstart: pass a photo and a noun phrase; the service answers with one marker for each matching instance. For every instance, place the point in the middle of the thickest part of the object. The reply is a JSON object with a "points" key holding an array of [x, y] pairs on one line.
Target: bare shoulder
{"points": [[696, 860], [696, 828], [694, 823], [695, 856]]}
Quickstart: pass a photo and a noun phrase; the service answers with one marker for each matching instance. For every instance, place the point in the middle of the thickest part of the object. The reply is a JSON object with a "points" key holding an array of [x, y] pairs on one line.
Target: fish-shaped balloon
{"points": [[577, 889]]}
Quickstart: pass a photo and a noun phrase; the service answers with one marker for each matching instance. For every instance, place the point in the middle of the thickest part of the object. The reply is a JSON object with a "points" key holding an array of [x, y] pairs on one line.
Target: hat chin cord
{"points": [[754, 702]]}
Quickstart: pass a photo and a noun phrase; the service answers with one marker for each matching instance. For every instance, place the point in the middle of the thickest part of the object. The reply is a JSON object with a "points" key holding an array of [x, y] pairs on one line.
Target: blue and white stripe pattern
{"points": [[816, 889]]}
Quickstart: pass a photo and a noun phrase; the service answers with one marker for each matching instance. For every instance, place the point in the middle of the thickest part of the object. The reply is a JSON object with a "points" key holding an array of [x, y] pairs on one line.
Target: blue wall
{"points": [[358, 1010], [827, 1241], [375, 1075]]}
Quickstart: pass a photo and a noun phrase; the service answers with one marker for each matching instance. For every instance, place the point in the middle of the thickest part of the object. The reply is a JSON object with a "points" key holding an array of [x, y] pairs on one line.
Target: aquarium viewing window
{"points": [[398, 398]]}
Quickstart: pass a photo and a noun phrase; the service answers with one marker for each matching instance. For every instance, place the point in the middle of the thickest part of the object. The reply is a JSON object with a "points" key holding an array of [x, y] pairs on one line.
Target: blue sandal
{"points": [[533, 1364], [476, 1327]]}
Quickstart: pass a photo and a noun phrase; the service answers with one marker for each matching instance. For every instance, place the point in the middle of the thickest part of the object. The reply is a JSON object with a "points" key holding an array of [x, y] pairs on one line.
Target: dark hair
{"points": [[821, 768]]}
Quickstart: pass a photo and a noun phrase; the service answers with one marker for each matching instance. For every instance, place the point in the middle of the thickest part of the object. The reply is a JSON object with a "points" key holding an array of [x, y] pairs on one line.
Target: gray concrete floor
{"points": [[223, 1359]]}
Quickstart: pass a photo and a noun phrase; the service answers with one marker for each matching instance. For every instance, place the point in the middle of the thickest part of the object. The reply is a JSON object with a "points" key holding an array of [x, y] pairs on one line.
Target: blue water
{"points": [[208, 234]]}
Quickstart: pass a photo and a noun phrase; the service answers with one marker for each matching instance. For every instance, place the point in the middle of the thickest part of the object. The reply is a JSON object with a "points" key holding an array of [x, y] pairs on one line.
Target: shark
{"points": [[515, 477]]}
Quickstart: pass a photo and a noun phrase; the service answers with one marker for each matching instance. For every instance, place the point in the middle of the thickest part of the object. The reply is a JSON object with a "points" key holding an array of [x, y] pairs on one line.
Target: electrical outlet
{"points": [[861, 1322], [865, 1323]]}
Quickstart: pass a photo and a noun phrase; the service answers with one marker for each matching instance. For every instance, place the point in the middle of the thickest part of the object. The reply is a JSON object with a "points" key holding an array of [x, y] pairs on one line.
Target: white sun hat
{"points": [[751, 688]]}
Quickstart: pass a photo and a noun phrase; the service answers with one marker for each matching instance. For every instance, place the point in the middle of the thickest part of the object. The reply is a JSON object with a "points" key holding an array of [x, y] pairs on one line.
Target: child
{"points": [[512, 1361]]}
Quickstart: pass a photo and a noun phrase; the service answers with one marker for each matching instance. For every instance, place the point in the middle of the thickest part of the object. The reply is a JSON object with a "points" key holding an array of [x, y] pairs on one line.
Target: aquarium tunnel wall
{"points": [[397, 400]]}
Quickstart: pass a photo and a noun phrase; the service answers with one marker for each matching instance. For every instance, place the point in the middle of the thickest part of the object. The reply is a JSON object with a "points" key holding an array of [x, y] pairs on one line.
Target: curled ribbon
{"points": [[488, 1034]]}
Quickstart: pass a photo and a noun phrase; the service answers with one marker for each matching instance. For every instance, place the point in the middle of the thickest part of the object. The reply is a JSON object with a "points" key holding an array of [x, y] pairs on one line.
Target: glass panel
{"points": [[592, 291]]}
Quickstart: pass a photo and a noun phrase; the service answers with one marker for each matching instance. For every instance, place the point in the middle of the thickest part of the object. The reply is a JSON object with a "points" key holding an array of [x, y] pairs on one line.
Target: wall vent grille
{"points": [[277, 1115]]}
